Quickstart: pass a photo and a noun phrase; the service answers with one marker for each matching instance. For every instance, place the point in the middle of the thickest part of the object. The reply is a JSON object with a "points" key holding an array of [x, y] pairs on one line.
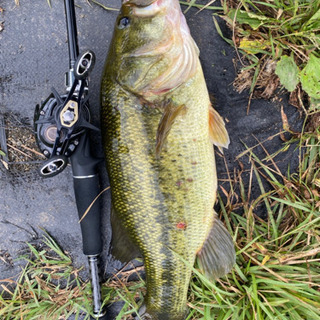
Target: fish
{"points": [[158, 130]]}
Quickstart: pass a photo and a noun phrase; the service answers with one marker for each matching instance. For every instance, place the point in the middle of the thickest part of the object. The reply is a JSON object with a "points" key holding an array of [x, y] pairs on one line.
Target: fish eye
{"points": [[123, 22]]}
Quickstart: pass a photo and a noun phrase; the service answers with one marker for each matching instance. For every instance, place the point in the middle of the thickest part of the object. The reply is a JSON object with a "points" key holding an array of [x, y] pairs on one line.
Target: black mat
{"points": [[34, 57]]}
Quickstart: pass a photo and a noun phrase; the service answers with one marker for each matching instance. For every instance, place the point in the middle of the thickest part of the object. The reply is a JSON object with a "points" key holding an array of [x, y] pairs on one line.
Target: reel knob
{"points": [[53, 166], [84, 64]]}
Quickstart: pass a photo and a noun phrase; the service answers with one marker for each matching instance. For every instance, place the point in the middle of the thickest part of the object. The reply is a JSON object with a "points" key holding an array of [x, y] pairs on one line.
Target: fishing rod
{"points": [[61, 126]]}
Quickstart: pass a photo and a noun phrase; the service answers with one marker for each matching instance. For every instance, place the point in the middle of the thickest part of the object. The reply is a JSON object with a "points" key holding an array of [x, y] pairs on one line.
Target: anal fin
{"points": [[122, 247], [217, 256]]}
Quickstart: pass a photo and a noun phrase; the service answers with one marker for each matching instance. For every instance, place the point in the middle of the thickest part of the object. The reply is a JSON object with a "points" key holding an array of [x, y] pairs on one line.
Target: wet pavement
{"points": [[34, 58]]}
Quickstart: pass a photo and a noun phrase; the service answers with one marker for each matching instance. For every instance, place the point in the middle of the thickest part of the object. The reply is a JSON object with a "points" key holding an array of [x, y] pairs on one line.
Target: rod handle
{"points": [[86, 189]]}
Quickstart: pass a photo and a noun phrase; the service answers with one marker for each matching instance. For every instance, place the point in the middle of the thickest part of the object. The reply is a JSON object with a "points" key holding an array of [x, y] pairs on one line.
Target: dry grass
{"points": [[47, 288], [277, 43], [277, 275]]}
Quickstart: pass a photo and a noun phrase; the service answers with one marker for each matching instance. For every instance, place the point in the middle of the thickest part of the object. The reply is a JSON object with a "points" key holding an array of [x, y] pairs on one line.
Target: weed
{"points": [[47, 288], [279, 42]]}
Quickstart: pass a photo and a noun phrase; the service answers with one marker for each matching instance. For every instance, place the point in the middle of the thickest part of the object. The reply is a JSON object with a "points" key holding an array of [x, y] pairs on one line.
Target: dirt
{"points": [[22, 151], [313, 125], [6, 258]]}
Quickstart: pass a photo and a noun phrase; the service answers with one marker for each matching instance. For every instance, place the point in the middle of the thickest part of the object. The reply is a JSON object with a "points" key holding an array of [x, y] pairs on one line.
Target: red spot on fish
{"points": [[194, 163], [179, 183], [194, 139], [189, 179], [181, 225]]}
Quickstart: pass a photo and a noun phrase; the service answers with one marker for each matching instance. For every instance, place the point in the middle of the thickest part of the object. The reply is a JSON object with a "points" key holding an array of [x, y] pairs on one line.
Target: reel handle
{"points": [[53, 166], [84, 64]]}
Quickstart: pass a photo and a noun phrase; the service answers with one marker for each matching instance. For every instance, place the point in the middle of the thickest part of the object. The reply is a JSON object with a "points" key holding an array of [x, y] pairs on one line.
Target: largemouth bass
{"points": [[158, 128]]}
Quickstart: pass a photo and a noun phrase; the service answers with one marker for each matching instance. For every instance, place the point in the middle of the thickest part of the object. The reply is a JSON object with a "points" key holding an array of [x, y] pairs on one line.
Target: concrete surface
{"points": [[34, 57]]}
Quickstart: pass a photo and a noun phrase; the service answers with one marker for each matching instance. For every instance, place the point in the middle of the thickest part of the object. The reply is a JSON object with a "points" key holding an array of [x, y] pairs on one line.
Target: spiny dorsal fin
{"points": [[217, 256], [169, 115], [123, 249], [217, 130]]}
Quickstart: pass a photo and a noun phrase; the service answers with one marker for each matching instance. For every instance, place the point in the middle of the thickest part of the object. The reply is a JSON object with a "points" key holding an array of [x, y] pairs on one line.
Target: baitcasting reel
{"points": [[62, 119], [61, 124]]}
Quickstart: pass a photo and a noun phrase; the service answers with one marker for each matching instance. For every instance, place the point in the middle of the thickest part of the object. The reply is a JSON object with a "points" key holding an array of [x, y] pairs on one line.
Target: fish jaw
{"points": [[148, 8]]}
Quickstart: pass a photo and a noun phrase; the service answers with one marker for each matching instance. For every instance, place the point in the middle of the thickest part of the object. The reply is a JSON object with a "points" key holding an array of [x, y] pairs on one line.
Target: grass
{"points": [[277, 42], [277, 275], [47, 288]]}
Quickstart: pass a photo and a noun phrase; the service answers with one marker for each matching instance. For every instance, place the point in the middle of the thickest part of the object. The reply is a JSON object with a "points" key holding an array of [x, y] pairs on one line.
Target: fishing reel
{"points": [[60, 120], [61, 124]]}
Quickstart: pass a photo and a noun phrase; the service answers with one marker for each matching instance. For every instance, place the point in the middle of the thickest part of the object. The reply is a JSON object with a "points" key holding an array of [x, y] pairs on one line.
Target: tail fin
{"points": [[144, 314], [217, 256]]}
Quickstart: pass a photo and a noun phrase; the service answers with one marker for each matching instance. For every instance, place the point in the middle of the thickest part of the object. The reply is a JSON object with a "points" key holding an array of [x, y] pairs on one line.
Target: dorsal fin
{"points": [[168, 117], [217, 130]]}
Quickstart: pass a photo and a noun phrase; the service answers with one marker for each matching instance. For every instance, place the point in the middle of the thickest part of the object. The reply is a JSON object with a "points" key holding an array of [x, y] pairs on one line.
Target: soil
{"points": [[22, 151]]}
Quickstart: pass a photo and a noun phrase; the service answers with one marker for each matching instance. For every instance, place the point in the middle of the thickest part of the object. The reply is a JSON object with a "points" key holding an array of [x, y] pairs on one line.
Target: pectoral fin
{"points": [[171, 112], [122, 247], [217, 131], [217, 256]]}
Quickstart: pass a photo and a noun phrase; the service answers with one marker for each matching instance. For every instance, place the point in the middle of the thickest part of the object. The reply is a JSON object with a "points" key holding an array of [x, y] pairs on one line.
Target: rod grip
{"points": [[86, 189]]}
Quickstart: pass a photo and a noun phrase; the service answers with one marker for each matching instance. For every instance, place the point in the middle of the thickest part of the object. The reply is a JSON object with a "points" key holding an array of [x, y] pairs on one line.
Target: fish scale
{"points": [[162, 198], [147, 194]]}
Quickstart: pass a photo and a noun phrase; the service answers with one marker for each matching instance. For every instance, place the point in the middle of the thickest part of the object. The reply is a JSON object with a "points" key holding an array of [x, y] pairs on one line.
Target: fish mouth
{"points": [[139, 3], [145, 8]]}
